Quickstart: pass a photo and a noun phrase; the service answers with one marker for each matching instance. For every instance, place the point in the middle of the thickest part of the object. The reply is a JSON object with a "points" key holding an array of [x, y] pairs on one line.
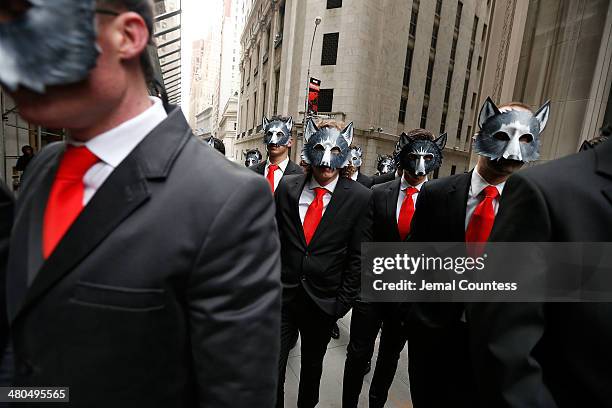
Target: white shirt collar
{"points": [[404, 184], [113, 146], [478, 184], [330, 187], [355, 175], [282, 165]]}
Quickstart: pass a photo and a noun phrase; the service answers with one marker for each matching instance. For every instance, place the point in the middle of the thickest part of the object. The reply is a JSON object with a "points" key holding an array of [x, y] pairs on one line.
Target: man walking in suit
{"points": [[554, 354], [462, 208], [323, 219], [6, 222], [119, 285], [277, 138], [418, 154], [355, 162]]}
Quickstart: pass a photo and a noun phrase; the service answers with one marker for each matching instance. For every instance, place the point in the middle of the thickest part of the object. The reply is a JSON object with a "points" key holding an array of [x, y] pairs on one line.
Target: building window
{"points": [[408, 66], [434, 36], [414, 17], [465, 91], [424, 116], [449, 81], [470, 57], [475, 29], [402, 110], [246, 113], [473, 100], [235, 128], [438, 7], [484, 32], [459, 128], [430, 68], [436, 173], [443, 123], [332, 4], [276, 89], [469, 133], [254, 109], [458, 16], [453, 170], [479, 63], [326, 100], [265, 97], [330, 49], [453, 50]]}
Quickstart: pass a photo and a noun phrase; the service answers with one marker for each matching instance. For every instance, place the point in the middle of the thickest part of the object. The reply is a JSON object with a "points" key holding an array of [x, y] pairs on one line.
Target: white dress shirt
{"points": [[478, 184], [113, 146], [402, 194], [355, 175], [308, 195], [278, 173]]}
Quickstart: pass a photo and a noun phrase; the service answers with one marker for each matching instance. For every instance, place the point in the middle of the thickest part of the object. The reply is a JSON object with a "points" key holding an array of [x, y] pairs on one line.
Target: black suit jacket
{"points": [[384, 200], [291, 168], [6, 222], [549, 355], [440, 217], [329, 268], [165, 292], [364, 180], [383, 178]]}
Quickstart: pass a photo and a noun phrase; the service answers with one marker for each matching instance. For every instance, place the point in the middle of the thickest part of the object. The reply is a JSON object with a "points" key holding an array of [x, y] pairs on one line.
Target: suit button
{"points": [[303, 277]]}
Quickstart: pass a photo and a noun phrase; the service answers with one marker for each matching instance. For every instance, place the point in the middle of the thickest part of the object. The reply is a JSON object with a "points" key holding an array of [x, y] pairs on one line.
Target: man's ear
{"points": [[132, 35]]}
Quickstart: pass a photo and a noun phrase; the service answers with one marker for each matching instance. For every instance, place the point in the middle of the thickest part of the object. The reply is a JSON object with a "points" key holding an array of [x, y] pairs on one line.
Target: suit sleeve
{"points": [[418, 227], [6, 223], [503, 336], [234, 303], [351, 279]]}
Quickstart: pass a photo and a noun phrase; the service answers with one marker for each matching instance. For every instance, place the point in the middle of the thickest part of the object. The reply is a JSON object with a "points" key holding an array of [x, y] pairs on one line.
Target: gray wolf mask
{"points": [[277, 131], [327, 147], [420, 157], [510, 134], [385, 164], [52, 43], [356, 157], [252, 157]]}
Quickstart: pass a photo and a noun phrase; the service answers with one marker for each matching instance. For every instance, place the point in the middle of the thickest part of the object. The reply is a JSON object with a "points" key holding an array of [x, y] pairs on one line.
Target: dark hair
{"points": [[279, 118], [145, 9], [421, 134]]}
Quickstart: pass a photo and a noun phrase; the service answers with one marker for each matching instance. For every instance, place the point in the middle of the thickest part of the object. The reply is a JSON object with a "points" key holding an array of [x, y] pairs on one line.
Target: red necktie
{"points": [[66, 198], [314, 214], [482, 220], [406, 213], [271, 169]]}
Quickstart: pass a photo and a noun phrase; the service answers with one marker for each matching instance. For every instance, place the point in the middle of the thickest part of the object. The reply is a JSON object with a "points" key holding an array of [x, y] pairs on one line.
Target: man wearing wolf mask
{"points": [[417, 155], [462, 208], [277, 139], [322, 220], [117, 279]]}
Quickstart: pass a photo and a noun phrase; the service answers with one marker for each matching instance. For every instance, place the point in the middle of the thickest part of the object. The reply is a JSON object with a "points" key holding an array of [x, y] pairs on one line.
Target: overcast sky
{"points": [[197, 19]]}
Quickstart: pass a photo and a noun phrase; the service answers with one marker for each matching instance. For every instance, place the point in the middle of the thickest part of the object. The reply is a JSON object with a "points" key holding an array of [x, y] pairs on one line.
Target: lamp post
{"points": [[317, 21]]}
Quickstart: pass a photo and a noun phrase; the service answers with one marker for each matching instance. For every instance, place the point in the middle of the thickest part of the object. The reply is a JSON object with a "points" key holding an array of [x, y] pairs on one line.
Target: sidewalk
{"points": [[331, 383]]}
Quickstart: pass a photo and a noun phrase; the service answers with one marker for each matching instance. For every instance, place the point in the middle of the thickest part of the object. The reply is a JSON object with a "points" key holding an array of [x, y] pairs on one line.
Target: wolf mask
{"points": [[356, 159], [420, 157], [327, 147], [51, 43], [510, 134], [252, 157], [277, 131], [385, 164]]}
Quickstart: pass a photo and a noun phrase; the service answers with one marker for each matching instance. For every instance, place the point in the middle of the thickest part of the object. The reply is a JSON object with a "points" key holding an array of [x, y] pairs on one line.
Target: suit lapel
{"points": [[122, 193], [457, 205], [604, 165], [392, 196], [341, 192], [295, 191]]}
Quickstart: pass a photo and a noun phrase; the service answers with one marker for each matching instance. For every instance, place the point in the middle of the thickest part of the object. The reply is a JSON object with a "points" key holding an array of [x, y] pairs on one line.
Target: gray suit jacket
{"points": [[165, 292]]}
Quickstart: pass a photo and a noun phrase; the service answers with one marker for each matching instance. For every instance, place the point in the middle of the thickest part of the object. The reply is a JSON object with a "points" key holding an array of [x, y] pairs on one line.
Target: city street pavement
{"points": [[333, 367]]}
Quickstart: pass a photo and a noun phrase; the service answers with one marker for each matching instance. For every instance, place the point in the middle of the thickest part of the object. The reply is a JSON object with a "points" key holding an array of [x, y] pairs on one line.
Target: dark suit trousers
{"points": [[365, 324], [392, 341], [302, 316], [440, 371]]}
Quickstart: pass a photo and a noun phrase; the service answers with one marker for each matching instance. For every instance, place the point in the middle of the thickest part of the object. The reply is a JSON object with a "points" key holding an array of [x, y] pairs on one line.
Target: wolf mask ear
{"points": [[487, 111], [441, 141], [542, 115], [347, 133], [404, 140], [311, 129], [289, 123], [358, 149]]}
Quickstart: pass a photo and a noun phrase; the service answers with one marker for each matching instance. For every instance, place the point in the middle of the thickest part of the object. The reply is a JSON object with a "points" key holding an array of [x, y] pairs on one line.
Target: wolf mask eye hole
{"points": [[428, 157], [319, 147], [503, 136], [336, 150], [526, 138], [11, 10]]}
